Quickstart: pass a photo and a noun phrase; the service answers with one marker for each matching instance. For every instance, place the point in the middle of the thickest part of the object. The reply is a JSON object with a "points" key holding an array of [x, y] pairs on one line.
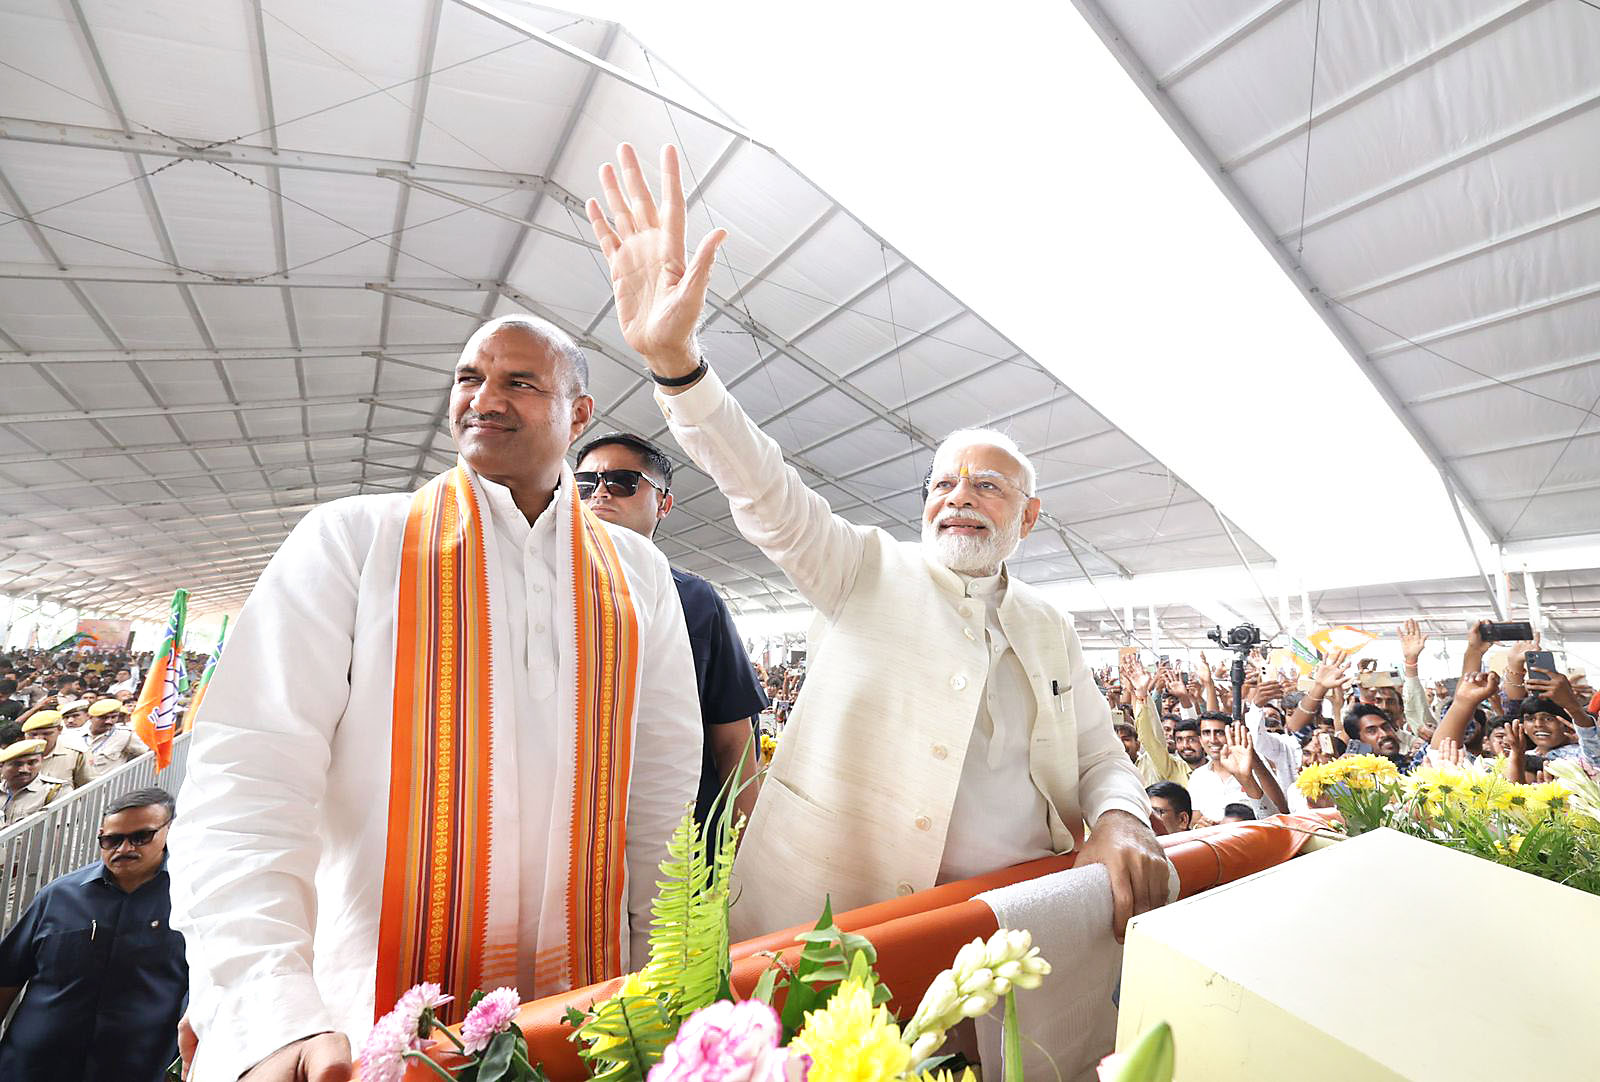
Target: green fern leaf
{"points": [[626, 1036], [687, 952]]}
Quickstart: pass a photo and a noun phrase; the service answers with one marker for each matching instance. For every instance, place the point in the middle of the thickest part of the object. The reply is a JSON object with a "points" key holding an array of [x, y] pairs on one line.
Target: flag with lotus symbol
{"points": [[155, 718]]}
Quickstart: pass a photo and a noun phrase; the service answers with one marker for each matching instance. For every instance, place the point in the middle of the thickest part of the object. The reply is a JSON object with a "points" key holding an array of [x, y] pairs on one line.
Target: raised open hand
{"points": [[1135, 676], [1412, 640], [1203, 673], [1330, 671], [1236, 751], [659, 296]]}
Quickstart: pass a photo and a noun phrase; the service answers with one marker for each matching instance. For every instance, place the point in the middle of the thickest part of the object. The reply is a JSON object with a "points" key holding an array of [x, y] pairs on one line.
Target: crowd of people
{"points": [[64, 721], [1203, 762], [783, 682]]}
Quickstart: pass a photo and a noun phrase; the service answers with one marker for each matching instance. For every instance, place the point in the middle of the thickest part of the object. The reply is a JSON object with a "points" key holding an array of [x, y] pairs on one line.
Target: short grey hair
{"points": [[144, 798], [577, 364], [963, 438]]}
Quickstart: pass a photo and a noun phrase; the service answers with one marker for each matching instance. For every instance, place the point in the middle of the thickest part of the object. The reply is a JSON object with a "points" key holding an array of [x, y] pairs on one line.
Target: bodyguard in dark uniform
{"points": [[627, 480], [101, 973]]}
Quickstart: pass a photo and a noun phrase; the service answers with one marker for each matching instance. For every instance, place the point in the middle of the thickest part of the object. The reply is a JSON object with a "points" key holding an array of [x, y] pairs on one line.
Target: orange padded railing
{"points": [[917, 936]]}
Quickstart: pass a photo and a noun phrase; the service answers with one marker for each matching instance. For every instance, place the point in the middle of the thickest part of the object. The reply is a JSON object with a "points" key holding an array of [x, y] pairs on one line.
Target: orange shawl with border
{"points": [[443, 874]]}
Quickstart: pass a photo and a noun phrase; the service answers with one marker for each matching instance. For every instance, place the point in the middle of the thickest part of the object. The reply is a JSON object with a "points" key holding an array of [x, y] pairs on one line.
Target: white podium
{"points": [[1381, 957]]}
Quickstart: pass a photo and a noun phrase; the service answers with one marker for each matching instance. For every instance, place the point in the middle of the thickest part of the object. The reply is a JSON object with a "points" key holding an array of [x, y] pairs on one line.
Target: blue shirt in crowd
{"points": [[106, 982]]}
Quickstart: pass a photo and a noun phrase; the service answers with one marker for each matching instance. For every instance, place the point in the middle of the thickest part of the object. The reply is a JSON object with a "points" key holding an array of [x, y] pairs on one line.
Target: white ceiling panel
{"points": [[246, 303], [1434, 194]]}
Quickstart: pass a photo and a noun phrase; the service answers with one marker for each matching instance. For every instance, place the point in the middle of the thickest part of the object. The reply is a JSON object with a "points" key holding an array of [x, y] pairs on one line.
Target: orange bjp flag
{"points": [[155, 718]]}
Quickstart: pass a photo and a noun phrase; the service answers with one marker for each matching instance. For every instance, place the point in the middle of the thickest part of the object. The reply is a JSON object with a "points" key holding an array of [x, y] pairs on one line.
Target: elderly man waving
{"points": [[949, 725]]}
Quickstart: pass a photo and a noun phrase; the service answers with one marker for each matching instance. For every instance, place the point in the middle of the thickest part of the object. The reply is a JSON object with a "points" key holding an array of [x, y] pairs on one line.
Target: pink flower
{"points": [[398, 1032], [409, 1007], [729, 1042], [382, 1057], [494, 1012]]}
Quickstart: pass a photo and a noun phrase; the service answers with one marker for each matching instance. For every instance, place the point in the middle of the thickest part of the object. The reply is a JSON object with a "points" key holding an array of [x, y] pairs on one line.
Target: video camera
{"points": [[1241, 640], [1243, 637]]}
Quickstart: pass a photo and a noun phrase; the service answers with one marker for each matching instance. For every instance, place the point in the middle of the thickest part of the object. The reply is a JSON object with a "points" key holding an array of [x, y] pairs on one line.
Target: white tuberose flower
{"points": [[981, 973]]}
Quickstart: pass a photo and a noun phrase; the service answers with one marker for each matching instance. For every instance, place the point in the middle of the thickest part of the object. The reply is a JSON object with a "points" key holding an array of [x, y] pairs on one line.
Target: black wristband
{"points": [[682, 381]]}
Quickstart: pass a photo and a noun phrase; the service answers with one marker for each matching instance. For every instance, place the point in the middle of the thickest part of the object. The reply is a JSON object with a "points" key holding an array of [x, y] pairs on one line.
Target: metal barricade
{"points": [[62, 837]]}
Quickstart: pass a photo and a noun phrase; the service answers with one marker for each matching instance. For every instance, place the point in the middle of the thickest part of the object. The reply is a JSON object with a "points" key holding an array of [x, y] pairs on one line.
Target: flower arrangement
{"points": [[1549, 829], [490, 1040], [822, 1019]]}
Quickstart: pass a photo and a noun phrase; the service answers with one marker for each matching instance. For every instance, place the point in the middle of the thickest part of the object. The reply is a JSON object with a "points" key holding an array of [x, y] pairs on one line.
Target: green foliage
{"points": [[828, 957], [1522, 827], [1151, 1059], [1011, 1040], [505, 1060], [688, 926], [625, 1036], [689, 938], [689, 968]]}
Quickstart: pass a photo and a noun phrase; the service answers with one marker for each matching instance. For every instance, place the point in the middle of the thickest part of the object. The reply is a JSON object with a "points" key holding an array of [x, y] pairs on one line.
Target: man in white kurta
{"points": [[278, 857], [950, 724]]}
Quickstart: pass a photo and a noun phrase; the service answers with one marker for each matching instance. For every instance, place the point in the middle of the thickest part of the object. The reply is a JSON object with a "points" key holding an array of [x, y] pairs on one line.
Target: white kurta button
{"points": [[903, 888], [958, 681], [941, 752], [539, 628], [967, 631], [923, 822], [965, 610]]}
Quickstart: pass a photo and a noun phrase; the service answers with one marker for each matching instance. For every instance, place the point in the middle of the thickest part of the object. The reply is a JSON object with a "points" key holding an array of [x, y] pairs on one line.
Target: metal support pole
{"points": [[1502, 585], [1530, 588]]}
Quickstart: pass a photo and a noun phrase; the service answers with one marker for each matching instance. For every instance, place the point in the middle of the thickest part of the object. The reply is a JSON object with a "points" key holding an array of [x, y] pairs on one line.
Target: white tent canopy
{"points": [[245, 245], [1428, 175]]}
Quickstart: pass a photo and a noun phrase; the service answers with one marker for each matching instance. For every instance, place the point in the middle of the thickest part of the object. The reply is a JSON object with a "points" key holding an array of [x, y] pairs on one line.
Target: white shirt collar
{"points": [[988, 587], [503, 506]]}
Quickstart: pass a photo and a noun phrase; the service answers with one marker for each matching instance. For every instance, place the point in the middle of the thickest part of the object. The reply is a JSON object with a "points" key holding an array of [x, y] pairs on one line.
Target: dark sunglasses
{"points": [[617, 482], [137, 839]]}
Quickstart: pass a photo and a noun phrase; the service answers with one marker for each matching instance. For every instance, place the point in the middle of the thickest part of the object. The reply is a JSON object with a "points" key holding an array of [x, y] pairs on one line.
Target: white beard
{"points": [[972, 554]]}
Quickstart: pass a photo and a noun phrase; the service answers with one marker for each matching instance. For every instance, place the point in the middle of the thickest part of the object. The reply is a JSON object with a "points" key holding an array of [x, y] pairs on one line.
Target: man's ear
{"points": [[582, 414], [1030, 515], [664, 508]]}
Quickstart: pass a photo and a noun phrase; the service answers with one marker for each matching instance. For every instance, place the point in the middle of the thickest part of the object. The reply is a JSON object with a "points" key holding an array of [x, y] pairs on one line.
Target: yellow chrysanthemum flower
{"points": [[1373, 767], [850, 1040], [1480, 788], [1313, 779], [1545, 798], [945, 1076], [1445, 786], [1513, 798]]}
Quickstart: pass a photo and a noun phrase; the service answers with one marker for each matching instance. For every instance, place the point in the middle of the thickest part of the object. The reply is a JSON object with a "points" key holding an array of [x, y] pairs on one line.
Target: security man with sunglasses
{"points": [[626, 480], [104, 973]]}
